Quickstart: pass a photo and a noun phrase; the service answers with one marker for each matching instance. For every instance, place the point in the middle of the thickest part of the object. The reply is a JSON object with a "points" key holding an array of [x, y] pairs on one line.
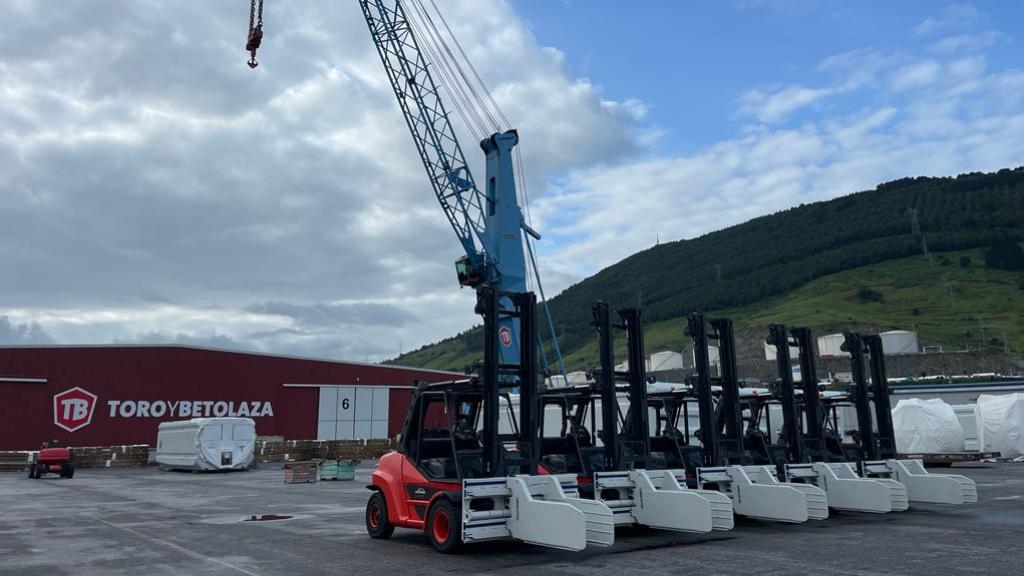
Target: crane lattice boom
{"points": [[430, 126]]}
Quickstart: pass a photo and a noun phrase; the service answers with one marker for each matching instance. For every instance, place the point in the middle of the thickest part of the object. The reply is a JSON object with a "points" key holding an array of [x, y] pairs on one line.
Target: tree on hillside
{"points": [[865, 295], [1005, 254]]}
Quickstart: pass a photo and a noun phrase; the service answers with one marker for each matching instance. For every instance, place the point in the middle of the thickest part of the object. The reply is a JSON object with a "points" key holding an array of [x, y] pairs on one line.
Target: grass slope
{"points": [[976, 306]]}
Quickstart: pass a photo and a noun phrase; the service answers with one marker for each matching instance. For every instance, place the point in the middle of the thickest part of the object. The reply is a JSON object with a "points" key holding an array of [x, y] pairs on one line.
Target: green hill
{"points": [[809, 264]]}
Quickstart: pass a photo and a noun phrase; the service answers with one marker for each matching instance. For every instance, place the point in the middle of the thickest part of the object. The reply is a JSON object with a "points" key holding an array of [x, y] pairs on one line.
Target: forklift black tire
{"points": [[67, 470], [71, 470], [444, 527], [377, 524]]}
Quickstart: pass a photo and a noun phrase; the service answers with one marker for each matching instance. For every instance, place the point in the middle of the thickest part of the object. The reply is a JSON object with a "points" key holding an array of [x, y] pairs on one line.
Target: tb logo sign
{"points": [[73, 408]]}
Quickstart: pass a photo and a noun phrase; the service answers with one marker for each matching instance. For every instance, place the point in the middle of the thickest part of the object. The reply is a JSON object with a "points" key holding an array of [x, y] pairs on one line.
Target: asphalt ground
{"points": [[148, 521]]}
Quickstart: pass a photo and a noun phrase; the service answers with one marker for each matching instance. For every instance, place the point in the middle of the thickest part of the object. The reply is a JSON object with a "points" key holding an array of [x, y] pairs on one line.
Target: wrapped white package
{"points": [[1002, 419], [926, 427]]}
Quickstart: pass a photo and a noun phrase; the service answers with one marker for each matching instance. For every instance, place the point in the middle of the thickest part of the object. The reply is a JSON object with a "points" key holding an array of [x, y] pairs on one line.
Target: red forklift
{"points": [[459, 479], [53, 459]]}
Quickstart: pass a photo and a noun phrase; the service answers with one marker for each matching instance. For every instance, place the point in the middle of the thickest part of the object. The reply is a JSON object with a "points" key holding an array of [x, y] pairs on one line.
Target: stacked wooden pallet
{"points": [[110, 456], [295, 450], [84, 457], [14, 460], [268, 449], [303, 471], [287, 450]]}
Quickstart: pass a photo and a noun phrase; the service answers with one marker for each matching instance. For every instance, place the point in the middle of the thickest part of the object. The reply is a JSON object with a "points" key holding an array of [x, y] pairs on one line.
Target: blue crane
{"points": [[488, 222]]}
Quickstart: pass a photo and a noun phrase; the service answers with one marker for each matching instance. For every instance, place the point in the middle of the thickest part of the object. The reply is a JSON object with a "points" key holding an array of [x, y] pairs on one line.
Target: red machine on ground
{"points": [[53, 459]]}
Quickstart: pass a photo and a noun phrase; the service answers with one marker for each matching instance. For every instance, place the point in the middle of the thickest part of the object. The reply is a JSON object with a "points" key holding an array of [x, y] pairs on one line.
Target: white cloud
{"points": [[967, 42], [933, 117], [915, 75], [952, 17], [26, 333], [774, 105], [152, 186]]}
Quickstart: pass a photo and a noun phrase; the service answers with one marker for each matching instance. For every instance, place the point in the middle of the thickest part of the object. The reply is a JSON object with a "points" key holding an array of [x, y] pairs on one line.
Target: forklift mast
{"points": [[696, 329], [721, 429], [606, 385], [497, 374], [803, 424], [881, 444], [637, 430], [853, 343], [630, 448], [786, 394], [886, 437], [814, 412], [732, 412], [483, 391]]}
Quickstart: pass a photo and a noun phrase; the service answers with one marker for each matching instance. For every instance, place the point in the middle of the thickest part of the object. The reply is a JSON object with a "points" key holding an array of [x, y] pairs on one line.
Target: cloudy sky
{"points": [[155, 189]]}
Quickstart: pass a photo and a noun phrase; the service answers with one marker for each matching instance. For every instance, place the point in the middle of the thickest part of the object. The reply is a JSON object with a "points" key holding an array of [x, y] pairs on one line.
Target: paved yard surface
{"points": [[146, 521]]}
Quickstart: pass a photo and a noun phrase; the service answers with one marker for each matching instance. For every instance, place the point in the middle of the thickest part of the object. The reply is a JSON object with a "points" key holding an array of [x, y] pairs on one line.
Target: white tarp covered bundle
{"points": [[206, 444], [926, 427], [1002, 421]]}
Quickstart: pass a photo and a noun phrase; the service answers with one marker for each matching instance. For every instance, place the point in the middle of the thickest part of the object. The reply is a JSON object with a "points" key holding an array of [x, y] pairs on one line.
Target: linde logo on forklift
{"points": [[505, 335]]}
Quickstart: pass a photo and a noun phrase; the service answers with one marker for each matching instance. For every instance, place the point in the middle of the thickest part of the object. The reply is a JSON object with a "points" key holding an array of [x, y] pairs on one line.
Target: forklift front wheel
{"points": [[377, 524], [445, 527]]}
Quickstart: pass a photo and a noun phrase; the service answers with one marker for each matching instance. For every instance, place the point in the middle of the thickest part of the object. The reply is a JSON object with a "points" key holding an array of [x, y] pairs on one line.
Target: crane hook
{"points": [[255, 37], [255, 32]]}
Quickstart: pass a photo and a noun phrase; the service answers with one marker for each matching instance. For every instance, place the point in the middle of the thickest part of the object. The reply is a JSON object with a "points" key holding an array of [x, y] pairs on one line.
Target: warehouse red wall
{"points": [[174, 374]]}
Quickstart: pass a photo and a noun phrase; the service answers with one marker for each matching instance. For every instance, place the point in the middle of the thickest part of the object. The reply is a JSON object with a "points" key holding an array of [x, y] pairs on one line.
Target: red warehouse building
{"points": [[112, 395]]}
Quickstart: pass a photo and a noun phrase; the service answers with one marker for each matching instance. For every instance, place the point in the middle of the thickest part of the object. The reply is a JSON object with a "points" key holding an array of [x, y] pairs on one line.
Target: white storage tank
{"points": [[578, 378], [624, 366], [666, 360], [713, 357], [206, 444], [900, 342], [770, 353], [830, 346]]}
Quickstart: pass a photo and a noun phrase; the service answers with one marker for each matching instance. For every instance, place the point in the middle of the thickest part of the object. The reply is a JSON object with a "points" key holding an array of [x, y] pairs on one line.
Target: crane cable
{"points": [[486, 107], [442, 57], [460, 98], [255, 32], [533, 281], [472, 68], [476, 112]]}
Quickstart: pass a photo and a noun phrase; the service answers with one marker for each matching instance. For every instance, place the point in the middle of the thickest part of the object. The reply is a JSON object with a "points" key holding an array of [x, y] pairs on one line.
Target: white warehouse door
{"points": [[352, 412]]}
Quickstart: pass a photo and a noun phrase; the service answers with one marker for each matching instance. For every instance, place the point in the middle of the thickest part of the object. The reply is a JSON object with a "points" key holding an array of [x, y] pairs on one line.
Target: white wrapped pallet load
{"points": [[206, 444], [1002, 422], [926, 427]]}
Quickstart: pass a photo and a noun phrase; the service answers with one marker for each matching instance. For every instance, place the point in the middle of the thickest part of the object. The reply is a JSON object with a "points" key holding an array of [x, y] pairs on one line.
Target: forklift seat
{"points": [[665, 451], [554, 463], [560, 454], [435, 468], [583, 436], [755, 441]]}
